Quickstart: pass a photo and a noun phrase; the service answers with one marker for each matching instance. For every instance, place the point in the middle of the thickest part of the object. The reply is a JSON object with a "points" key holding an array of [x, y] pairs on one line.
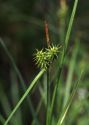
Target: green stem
{"points": [[48, 99], [25, 95], [20, 78]]}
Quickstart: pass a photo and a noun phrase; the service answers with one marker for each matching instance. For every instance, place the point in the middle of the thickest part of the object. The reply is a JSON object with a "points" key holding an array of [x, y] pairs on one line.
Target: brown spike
{"points": [[47, 34]]}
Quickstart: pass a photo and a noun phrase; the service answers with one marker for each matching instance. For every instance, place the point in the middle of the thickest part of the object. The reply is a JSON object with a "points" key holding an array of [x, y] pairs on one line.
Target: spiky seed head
{"points": [[45, 58], [52, 52], [40, 58]]}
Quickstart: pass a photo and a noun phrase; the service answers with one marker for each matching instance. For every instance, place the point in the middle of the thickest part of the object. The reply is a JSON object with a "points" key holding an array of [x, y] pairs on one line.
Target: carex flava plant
{"points": [[43, 59]]}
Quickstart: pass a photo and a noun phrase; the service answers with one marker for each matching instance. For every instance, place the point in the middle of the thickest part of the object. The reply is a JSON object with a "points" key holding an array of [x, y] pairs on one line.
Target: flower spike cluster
{"points": [[45, 57]]}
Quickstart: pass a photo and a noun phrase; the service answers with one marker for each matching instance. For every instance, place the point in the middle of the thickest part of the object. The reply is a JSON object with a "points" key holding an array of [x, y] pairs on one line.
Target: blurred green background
{"points": [[22, 30]]}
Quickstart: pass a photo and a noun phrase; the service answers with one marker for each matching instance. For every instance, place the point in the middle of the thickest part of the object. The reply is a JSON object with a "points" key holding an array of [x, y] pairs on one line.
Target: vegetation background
{"points": [[22, 30]]}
